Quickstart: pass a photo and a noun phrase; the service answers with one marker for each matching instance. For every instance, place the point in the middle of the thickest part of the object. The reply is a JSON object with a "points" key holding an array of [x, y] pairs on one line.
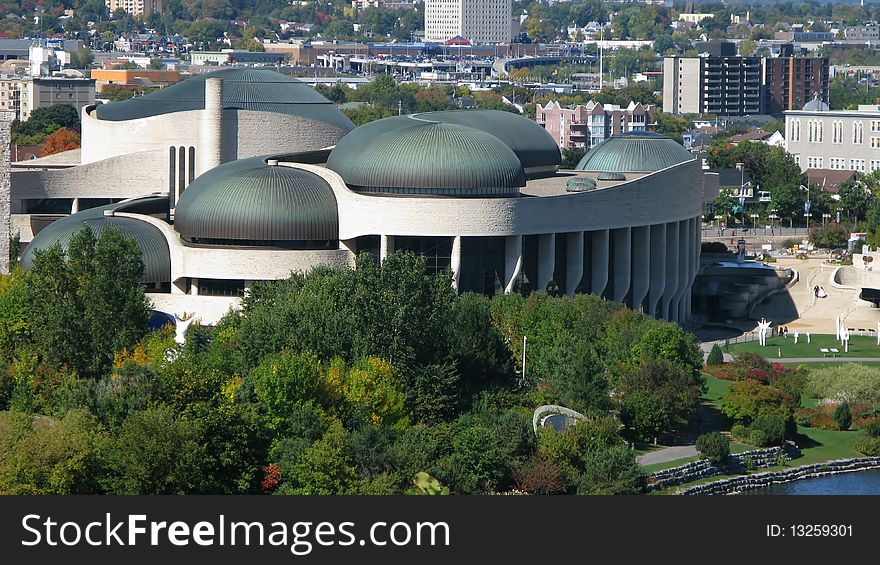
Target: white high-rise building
{"points": [[479, 21]]}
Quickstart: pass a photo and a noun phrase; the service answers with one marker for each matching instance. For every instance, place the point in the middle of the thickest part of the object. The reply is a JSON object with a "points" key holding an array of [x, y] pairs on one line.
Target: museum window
{"points": [[221, 287]]}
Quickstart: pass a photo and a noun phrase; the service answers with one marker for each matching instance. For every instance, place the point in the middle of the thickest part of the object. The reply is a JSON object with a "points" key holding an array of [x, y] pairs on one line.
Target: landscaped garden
{"points": [[831, 412], [784, 347]]}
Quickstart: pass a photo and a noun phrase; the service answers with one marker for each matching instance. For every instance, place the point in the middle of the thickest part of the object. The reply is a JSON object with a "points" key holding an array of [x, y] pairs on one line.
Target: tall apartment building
{"points": [[11, 99], [819, 138], [723, 84], [143, 8], [588, 125], [791, 82], [479, 21], [719, 85]]}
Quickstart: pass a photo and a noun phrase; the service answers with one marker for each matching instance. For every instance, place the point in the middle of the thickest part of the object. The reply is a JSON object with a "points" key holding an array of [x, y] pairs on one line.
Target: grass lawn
{"points": [[859, 346], [816, 445], [715, 389]]}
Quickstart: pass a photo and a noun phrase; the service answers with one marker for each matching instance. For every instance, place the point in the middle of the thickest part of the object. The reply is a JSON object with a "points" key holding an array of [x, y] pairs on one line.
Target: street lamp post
{"points": [[772, 217], [825, 217], [754, 221]]}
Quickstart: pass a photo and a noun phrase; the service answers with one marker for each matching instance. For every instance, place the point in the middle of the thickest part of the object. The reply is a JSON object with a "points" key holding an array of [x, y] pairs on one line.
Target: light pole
{"points": [[754, 221], [825, 217], [772, 217]]}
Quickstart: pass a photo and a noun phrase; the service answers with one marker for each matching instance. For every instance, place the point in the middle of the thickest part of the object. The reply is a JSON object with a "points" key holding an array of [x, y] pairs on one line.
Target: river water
{"points": [[860, 482]]}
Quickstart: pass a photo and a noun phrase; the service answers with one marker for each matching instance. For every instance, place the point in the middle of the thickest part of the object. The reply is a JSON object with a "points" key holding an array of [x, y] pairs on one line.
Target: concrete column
{"points": [[574, 261], [179, 286], [676, 310], [599, 262], [513, 260], [455, 261], [209, 151], [74, 208], [546, 260], [695, 264], [194, 287], [622, 263], [5, 190], [671, 268], [658, 269], [386, 246], [641, 264]]}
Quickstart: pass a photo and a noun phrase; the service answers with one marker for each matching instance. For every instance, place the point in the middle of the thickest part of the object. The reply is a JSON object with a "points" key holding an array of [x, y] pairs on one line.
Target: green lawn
{"points": [[859, 346], [816, 445], [715, 389]]}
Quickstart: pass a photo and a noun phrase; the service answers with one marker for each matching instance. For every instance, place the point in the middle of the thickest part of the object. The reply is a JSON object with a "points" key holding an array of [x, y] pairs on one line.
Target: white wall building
{"points": [[834, 139], [476, 192], [479, 21]]}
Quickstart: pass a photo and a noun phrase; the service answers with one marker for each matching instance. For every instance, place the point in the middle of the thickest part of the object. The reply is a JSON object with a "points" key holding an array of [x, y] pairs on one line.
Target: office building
{"points": [[478, 21]]}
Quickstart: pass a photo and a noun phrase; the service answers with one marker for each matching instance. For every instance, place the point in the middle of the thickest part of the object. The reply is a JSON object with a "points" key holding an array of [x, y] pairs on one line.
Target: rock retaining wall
{"points": [[735, 485], [737, 463]]}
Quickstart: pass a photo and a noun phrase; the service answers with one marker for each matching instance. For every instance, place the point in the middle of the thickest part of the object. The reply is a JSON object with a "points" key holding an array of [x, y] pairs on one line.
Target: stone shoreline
{"points": [[736, 485]]}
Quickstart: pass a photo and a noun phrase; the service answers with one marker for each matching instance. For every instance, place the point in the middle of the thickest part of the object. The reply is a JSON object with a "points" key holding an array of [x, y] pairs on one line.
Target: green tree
{"points": [[749, 399], [658, 399], [714, 446], [843, 416], [716, 356], [47, 456], [284, 380], [86, 305], [571, 156], [611, 470], [672, 126], [155, 452], [324, 468]]}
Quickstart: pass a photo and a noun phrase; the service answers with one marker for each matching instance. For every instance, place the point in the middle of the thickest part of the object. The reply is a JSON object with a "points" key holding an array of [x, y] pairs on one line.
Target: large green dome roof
{"points": [[533, 145], [411, 155], [250, 200], [634, 152], [152, 242], [243, 89]]}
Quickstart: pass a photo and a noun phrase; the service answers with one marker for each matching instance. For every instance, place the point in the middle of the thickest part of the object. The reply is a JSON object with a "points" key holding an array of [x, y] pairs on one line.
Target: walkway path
{"points": [[666, 455]]}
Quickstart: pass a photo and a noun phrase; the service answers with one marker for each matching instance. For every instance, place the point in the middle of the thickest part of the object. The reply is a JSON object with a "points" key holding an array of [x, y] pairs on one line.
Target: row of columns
{"points": [[649, 267]]}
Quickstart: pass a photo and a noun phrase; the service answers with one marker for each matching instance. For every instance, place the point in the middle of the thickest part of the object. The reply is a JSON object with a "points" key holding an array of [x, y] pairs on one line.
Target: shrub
{"points": [[740, 432], [873, 429], [714, 446], [846, 382], [772, 426], [869, 446], [843, 416], [716, 357], [713, 247], [758, 438]]}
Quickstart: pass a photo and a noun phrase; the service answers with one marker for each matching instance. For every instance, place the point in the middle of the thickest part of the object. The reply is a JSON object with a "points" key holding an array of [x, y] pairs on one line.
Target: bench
{"points": [[835, 352], [824, 351]]}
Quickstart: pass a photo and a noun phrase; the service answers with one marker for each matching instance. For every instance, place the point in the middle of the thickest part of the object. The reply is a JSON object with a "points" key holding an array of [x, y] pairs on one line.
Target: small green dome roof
{"points": [[410, 155], [535, 147], [634, 152], [251, 200], [152, 242], [243, 89]]}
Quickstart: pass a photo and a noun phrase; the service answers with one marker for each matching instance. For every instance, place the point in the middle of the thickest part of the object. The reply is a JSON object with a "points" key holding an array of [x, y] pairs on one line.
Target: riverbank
{"points": [[738, 484]]}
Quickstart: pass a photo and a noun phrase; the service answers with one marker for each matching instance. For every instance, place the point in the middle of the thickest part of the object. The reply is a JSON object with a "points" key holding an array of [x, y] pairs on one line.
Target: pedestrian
{"points": [[785, 332], [822, 293], [816, 291]]}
